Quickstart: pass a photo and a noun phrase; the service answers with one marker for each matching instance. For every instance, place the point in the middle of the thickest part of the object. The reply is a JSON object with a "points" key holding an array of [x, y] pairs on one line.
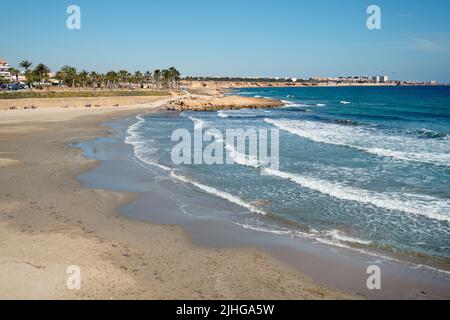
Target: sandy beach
{"points": [[48, 222]]}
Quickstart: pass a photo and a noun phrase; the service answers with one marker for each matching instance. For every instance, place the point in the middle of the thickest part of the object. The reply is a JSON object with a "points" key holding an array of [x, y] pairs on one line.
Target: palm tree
{"points": [[124, 76], [68, 75], [41, 72], [166, 79], [111, 78], [31, 78], [138, 78], [15, 73], [175, 75], [147, 77], [94, 78], [157, 77], [101, 79], [83, 78], [26, 65]]}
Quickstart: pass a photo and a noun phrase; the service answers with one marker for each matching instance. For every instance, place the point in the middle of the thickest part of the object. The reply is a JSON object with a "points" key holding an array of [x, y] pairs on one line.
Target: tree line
{"points": [[69, 76]]}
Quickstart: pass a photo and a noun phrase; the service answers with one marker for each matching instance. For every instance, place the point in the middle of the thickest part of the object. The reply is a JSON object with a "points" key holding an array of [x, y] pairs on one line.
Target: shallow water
{"points": [[206, 218], [358, 166]]}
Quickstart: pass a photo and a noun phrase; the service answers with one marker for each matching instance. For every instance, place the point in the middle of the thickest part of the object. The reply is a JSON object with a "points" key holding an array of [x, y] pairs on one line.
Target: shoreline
{"points": [[49, 221], [210, 85], [210, 231]]}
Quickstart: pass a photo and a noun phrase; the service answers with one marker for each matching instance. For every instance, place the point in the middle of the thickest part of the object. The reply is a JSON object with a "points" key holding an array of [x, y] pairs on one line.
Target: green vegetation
{"points": [[69, 76], [14, 72], [3, 80], [79, 94]]}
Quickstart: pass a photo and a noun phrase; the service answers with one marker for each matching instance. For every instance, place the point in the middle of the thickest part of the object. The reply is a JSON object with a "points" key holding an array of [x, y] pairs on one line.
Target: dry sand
{"points": [[75, 102], [49, 222]]}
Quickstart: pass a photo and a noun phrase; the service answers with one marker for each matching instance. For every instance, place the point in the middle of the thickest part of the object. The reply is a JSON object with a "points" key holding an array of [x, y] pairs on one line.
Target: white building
{"points": [[4, 69], [382, 79]]}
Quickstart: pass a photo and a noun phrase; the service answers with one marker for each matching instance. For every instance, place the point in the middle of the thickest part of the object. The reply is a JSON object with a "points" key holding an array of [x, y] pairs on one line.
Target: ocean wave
{"points": [[222, 114], [218, 193], [244, 114], [430, 134], [370, 140], [241, 158], [419, 205], [333, 237], [321, 105], [345, 102], [199, 124], [342, 237], [336, 238], [140, 150], [347, 122], [291, 104]]}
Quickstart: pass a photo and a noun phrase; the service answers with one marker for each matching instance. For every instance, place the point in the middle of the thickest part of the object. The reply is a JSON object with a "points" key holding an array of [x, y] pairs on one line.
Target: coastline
{"points": [[224, 86], [320, 261], [49, 222]]}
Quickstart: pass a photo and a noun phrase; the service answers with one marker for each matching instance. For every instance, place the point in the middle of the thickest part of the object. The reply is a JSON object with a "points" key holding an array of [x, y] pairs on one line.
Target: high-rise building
{"points": [[4, 69], [382, 79]]}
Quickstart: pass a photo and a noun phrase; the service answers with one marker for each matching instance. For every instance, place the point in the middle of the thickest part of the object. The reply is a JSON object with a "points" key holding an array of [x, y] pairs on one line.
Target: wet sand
{"points": [[49, 222], [165, 201]]}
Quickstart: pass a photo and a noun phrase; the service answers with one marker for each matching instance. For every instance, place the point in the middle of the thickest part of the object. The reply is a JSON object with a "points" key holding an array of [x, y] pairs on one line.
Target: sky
{"points": [[253, 38]]}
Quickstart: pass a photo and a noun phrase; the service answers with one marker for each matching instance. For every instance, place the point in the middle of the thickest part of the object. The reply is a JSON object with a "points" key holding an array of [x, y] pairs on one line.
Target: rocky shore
{"points": [[212, 103]]}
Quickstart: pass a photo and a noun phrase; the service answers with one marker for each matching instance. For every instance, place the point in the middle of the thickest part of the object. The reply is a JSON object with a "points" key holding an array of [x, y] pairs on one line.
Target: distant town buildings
{"points": [[382, 79], [353, 79]]}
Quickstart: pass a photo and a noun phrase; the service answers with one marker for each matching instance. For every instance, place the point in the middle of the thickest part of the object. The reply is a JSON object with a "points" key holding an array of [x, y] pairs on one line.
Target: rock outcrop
{"points": [[209, 103]]}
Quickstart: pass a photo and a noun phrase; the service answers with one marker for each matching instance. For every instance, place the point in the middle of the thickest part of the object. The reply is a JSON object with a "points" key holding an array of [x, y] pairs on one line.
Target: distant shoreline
{"points": [[225, 85]]}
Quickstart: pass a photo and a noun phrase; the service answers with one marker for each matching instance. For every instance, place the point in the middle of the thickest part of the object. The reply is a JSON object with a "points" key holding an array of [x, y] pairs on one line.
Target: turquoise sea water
{"points": [[359, 166]]}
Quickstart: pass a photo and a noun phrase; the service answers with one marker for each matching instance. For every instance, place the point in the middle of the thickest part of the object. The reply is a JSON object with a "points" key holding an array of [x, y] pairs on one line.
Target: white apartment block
{"points": [[4, 69]]}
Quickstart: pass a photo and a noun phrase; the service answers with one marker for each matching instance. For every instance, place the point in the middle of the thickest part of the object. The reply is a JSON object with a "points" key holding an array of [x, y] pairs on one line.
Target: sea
{"points": [[366, 168]]}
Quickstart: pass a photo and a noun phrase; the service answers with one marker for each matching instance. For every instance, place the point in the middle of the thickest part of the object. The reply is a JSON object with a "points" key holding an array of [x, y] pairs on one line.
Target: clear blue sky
{"points": [[298, 38]]}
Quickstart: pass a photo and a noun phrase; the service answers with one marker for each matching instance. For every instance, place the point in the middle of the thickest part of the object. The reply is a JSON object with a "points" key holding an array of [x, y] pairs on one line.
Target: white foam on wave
{"points": [[133, 138], [238, 157], [345, 102], [338, 239], [419, 205], [321, 105], [216, 192], [241, 158], [222, 114], [199, 124], [287, 102], [426, 157], [341, 237], [290, 104], [334, 237], [370, 141]]}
